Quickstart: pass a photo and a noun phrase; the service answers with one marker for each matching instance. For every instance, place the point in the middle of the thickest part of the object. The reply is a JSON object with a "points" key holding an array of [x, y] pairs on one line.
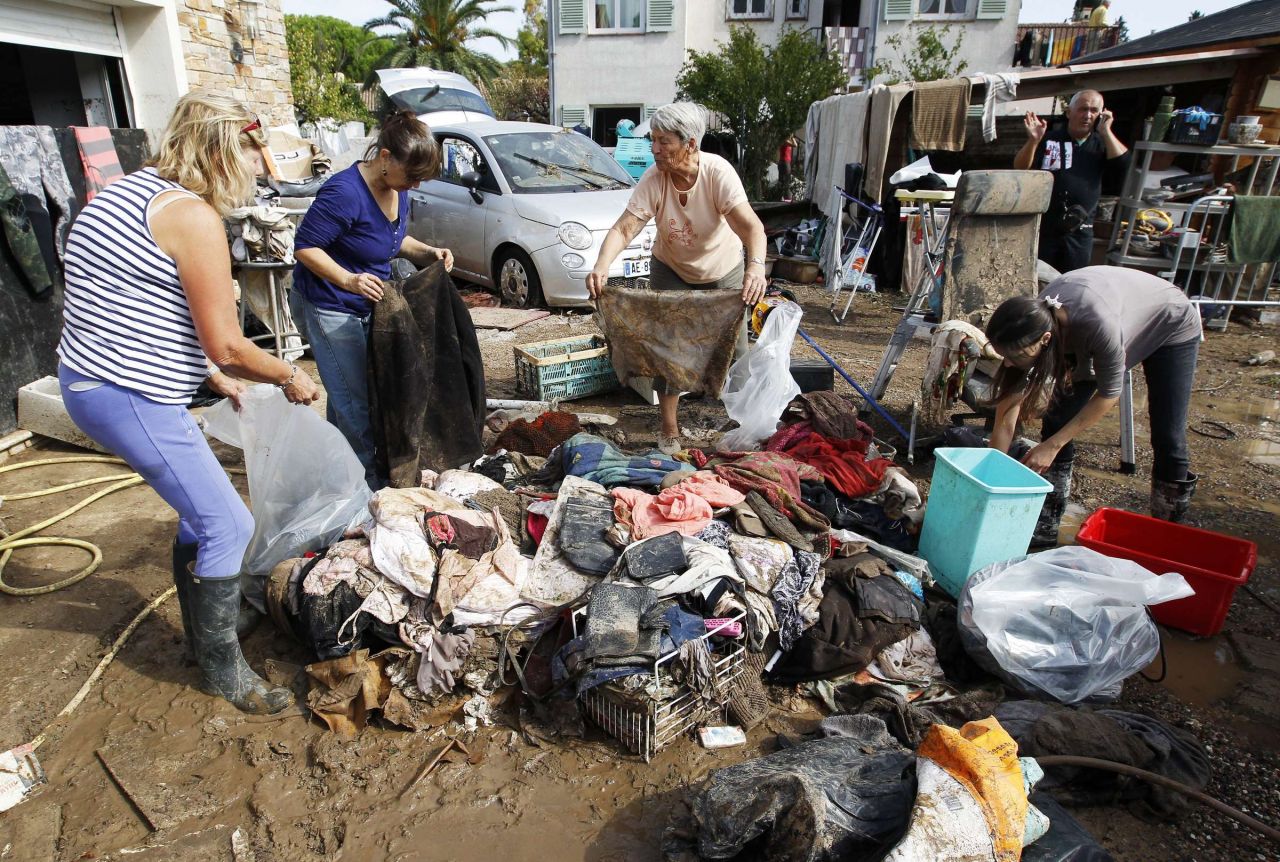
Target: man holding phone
{"points": [[1082, 154]]}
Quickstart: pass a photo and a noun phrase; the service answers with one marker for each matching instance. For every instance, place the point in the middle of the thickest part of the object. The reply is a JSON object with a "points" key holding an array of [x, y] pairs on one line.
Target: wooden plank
{"points": [[505, 318]]}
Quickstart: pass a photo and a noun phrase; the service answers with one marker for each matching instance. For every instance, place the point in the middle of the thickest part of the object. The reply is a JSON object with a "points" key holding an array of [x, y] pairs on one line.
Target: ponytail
{"points": [[410, 143]]}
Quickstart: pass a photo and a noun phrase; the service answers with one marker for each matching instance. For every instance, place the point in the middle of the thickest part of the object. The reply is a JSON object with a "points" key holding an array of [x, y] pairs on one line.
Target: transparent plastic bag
{"points": [[1068, 624], [760, 385], [306, 485]]}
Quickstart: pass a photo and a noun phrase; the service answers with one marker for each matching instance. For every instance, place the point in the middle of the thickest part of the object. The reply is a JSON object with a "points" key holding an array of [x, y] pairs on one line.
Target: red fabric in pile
{"points": [[538, 437], [843, 463]]}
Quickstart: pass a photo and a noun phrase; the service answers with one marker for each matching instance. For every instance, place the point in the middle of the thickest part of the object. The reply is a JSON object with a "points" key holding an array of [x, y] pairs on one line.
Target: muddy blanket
{"points": [[1043, 729], [426, 379], [684, 336], [834, 798]]}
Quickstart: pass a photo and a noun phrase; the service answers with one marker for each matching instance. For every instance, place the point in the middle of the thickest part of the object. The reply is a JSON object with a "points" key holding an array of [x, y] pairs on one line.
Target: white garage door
{"points": [[67, 25]]}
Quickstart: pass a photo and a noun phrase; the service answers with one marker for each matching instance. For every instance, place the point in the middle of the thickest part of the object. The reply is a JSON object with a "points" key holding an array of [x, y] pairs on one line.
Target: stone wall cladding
{"points": [[261, 79]]}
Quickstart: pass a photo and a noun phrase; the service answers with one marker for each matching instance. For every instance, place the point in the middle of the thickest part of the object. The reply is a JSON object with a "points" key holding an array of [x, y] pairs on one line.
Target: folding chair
{"points": [[858, 241]]}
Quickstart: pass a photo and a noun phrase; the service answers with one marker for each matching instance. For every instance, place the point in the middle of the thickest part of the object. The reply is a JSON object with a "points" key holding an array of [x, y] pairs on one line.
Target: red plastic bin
{"points": [[1213, 564]]}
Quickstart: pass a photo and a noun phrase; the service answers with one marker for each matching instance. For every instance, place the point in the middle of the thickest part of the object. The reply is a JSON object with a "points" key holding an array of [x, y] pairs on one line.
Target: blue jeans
{"points": [[1169, 373], [340, 345], [165, 446]]}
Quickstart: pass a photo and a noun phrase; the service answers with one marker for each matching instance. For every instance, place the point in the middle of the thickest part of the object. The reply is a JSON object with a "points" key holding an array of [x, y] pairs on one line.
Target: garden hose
{"points": [[1125, 769], [8, 543]]}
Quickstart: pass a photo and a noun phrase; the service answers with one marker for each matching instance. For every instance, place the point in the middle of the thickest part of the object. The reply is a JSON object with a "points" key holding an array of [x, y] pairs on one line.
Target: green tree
{"points": [[762, 92], [519, 95], [1122, 34], [928, 58], [437, 33], [357, 52], [319, 64], [1196, 14], [531, 38]]}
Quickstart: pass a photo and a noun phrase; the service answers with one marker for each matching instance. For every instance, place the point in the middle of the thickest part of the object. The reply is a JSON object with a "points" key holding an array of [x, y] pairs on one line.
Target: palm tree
{"points": [[435, 33]]}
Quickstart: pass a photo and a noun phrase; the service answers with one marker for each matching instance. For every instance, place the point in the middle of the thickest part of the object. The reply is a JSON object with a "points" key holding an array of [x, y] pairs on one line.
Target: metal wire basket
{"points": [[646, 726]]}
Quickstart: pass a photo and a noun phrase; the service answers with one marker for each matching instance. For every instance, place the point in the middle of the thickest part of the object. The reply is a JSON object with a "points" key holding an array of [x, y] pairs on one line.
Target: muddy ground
{"points": [[199, 770]]}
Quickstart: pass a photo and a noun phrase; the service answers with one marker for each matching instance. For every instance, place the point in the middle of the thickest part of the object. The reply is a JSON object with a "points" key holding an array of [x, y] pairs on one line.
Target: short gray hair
{"points": [[685, 119]]}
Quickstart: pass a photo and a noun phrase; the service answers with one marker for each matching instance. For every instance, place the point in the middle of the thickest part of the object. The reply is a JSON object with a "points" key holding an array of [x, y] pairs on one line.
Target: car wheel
{"points": [[518, 281]]}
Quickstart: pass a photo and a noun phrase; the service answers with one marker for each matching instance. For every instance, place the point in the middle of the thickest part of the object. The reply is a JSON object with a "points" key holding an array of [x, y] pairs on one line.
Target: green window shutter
{"points": [[573, 16], [660, 16], [992, 8], [899, 10], [572, 115]]}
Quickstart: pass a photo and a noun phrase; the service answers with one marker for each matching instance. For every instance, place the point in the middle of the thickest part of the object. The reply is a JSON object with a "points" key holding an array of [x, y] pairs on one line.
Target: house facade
{"points": [[616, 59], [124, 63]]}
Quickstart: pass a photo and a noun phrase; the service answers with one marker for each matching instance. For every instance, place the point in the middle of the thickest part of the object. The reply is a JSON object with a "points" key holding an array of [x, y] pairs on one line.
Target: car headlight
{"points": [[574, 235], [572, 261]]}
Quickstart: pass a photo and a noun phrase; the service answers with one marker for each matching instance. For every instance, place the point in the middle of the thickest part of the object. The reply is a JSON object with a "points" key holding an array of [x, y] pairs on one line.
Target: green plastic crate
{"points": [[564, 368]]}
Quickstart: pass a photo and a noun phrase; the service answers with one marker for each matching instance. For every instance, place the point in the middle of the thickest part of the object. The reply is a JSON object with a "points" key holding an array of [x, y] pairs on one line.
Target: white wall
{"points": [[597, 70], [152, 61], [987, 46]]}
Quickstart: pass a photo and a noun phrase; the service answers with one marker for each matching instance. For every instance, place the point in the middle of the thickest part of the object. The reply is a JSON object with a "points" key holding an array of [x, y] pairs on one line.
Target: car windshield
{"points": [[424, 100], [555, 162]]}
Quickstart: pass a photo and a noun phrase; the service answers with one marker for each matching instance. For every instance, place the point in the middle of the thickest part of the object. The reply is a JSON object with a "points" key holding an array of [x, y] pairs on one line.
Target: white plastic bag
{"points": [[760, 385], [1069, 623], [306, 485]]}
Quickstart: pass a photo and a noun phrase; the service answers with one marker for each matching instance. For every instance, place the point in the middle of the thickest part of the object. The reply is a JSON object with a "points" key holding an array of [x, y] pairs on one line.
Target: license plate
{"points": [[633, 268]]}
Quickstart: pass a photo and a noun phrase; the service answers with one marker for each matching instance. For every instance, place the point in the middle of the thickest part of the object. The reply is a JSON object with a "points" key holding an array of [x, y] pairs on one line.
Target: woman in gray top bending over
{"points": [[1065, 356]]}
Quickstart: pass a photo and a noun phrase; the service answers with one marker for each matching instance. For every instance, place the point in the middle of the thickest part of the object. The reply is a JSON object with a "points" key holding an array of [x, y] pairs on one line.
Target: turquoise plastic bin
{"points": [[983, 507]]}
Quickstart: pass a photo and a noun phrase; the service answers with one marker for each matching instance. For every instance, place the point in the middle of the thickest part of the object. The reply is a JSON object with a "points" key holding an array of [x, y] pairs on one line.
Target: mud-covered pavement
{"points": [[198, 770]]}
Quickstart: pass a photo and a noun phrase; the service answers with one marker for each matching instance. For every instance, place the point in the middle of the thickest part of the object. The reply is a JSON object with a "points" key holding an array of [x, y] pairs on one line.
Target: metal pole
{"points": [[875, 405]]}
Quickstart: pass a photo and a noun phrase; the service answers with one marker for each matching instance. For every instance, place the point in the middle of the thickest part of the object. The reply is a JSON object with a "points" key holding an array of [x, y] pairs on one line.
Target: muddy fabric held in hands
{"points": [[426, 378], [686, 337]]}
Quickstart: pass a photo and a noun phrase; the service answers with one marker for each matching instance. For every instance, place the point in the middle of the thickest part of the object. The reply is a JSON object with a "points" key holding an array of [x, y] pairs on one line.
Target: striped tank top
{"points": [[125, 317]]}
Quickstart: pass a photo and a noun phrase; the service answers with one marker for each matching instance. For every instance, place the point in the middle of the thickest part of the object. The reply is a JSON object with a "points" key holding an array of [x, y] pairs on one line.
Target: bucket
{"points": [[1214, 565], [983, 507]]}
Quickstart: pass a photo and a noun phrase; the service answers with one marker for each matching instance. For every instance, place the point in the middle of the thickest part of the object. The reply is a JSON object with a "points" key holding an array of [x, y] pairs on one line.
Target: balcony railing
{"points": [[1055, 44]]}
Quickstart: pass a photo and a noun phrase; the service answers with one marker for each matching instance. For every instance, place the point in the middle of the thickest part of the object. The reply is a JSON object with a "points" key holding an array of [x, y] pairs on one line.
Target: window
{"points": [[458, 157], [797, 9], [555, 163], [617, 16], [946, 8], [426, 100], [749, 9]]}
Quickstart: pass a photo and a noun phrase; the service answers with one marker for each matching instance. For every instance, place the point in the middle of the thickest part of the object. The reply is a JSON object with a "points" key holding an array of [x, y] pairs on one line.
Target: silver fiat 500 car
{"points": [[524, 208]]}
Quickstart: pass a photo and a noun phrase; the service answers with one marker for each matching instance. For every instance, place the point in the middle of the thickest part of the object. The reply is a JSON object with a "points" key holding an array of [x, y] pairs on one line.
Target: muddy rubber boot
{"points": [[184, 558], [215, 607], [1055, 504], [248, 618], [1170, 500]]}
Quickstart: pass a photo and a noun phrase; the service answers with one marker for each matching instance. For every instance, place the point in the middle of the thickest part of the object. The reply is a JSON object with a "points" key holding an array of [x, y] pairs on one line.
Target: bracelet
{"points": [[751, 260], [292, 374]]}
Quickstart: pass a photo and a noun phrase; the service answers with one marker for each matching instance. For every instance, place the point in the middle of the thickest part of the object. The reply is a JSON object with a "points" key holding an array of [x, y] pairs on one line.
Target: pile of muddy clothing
{"points": [[717, 553], [660, 574], [428, 571]]}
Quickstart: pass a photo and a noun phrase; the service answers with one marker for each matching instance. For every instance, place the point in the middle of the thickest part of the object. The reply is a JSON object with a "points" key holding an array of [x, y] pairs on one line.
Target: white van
{"points": [[437, 97]]}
